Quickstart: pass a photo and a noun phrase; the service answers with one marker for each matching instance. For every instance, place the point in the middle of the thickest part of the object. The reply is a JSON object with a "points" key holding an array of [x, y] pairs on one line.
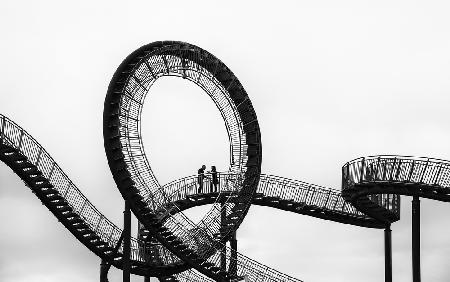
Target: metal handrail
{"points": [[16, 137], [282, 188], [428, 171], [390, 156], [395, 169], [309, 194]]}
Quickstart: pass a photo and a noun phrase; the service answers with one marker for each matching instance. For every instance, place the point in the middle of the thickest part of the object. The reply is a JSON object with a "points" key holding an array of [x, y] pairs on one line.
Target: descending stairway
{"points": [[31, 162]]}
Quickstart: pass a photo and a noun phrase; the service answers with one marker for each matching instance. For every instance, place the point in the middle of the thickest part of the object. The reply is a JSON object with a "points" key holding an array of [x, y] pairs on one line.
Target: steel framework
{"points": [[169, 245]]}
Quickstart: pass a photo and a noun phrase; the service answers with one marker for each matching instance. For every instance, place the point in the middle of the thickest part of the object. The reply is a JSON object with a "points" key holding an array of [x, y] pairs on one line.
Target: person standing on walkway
{"points": [[215, 179], [200, 178]]}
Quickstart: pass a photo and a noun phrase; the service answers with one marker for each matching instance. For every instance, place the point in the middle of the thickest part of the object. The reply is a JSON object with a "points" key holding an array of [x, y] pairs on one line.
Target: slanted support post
{"points": [[126, 242], [416, 238], [104, 267], [387, 254]]}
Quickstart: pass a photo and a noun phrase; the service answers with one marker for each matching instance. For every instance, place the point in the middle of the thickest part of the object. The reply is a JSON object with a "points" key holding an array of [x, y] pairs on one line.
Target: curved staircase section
{"points": [[374, 184], [31, 162]]}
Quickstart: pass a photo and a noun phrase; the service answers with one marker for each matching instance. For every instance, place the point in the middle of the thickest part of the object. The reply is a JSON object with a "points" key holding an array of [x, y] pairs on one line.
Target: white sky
{"points": [[329, 81]]}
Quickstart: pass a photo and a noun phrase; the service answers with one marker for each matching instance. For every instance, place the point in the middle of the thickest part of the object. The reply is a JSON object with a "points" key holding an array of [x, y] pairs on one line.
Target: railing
{"points": [[395, 169], [271, 186], [405, 169], [306, 193], [14, 136], [181, 188]]}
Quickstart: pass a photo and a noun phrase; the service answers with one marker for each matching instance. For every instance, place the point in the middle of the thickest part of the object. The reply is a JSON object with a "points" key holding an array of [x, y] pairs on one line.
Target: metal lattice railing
{"points": [[14, 136], [306, 193], [404, 169], [395, 169], [271, 186]]}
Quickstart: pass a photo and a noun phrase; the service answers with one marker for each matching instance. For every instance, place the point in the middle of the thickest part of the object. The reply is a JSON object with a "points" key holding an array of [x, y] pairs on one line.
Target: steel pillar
{"points": [[147, 279], [223, 251], [387, 254], [104, 271], [126, 242], [416, 239], [233, 260]]}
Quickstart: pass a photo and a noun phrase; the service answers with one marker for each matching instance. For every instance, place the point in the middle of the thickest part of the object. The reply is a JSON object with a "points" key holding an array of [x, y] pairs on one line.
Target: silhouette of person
{"points": [[215, 179], [200, 178]]}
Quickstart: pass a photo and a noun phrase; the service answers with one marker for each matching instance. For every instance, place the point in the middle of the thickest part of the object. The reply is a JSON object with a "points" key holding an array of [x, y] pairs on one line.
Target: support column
{"points": [[223, 251], [387, 254], [233, 261], [126, 242], [104, 271], [416, 239], [147, 279]]}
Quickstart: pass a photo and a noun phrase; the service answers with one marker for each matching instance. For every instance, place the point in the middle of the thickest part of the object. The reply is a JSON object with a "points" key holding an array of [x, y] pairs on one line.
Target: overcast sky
{"points": [[330, 81]]}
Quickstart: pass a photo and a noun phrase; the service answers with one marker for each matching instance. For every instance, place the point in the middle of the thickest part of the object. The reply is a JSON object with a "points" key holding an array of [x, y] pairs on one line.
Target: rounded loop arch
{"points": [[131, 167]]}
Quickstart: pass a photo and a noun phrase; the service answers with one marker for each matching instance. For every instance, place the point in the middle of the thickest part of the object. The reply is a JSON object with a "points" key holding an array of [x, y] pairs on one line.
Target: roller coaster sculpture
{"points": [[169, 245]]}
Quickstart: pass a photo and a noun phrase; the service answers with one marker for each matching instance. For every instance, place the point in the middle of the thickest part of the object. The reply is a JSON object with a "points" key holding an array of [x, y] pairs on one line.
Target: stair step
{"points": [[23, 165], [16, 157], [65, 208], [82, 225], [147, 213], [6, 149], [176, 242], [74, 220], [49, 191], [100, 243], [54, 197], [286, 202], [272, 199], [215, 269], [43, 184], [181, 247], [85, 231], [31, 170], [39, 178], [171, 237], [70, 214], [108, 249], [92, 236], [189, 253], [207, 264]]}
